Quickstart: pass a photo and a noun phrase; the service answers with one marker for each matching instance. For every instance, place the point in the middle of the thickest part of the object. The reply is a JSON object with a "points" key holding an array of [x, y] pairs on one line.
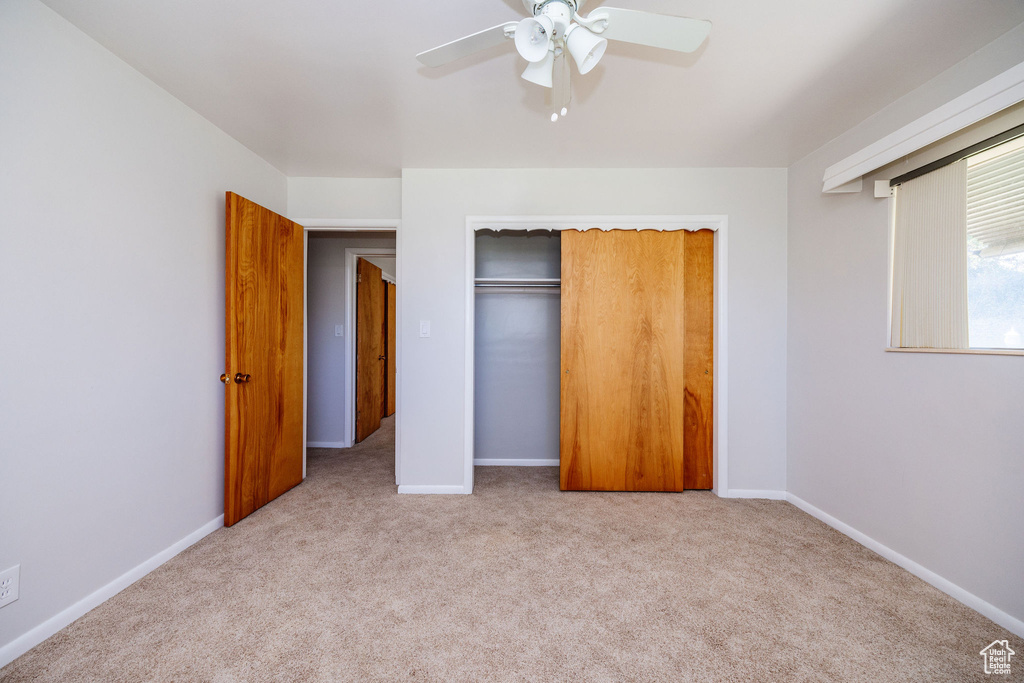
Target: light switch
{"points": [[339, 331], [424, 328]]}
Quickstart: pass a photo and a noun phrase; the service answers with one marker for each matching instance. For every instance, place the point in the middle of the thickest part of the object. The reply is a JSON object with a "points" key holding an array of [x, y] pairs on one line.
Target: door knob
{"points": [[225, 378], [242, 379]]}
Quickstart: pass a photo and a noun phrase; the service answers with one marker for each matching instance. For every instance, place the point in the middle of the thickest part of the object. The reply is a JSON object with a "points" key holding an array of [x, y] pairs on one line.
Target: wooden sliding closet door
{"points": [[637, 367]]}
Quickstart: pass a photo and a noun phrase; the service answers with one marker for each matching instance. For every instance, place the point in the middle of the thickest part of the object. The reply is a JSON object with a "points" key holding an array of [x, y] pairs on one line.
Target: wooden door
{"points": [[636, 360], [391, 299], [263, 404], [371, 380]]}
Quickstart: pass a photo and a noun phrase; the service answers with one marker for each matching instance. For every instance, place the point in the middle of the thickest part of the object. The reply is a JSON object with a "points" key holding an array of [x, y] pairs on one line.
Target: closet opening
{"points": [[516, 355], [351, 345], [597, 346]]}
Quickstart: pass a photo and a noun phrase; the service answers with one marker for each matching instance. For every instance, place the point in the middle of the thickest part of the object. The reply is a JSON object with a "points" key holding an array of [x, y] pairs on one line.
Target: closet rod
{"points": [[518, 281], [523, 289], [496, 285]]}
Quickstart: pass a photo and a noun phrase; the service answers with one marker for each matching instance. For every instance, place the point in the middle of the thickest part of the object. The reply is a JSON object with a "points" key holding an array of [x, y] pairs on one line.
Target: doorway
{"points": [[374, 334], [332, 264]]}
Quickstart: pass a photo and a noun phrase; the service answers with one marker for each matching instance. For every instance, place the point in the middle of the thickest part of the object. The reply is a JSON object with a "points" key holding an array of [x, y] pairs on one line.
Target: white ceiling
{"points": [[322, 88]]}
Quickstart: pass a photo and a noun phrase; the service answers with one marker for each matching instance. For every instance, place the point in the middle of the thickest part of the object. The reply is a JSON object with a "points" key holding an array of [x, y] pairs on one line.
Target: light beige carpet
{"points": [[343, 579]]}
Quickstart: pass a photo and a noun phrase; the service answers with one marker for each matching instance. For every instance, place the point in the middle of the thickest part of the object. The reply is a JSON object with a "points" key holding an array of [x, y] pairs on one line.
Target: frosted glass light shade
{"points": [[533, 37], [542, 72], [585, 47]]}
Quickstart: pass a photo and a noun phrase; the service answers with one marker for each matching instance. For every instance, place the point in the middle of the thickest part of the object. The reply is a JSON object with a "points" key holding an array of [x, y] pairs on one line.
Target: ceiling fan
{"points": [[555, 27]]}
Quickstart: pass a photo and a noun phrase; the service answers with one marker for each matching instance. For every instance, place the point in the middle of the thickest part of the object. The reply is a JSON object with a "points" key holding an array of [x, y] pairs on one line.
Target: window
{"points": [[958, 250], [995, 246]]}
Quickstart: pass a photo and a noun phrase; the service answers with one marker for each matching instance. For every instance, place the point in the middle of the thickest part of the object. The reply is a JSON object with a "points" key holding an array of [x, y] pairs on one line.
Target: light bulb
{"points": [[537, 34], [554, 117], [564, 111]]}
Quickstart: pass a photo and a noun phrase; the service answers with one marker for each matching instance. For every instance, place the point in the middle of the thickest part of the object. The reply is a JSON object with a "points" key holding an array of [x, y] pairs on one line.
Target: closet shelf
{"points": [[518, 282]]}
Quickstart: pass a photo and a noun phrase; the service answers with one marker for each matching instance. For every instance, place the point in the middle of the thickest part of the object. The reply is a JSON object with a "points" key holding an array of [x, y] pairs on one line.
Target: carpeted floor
{"points": [[342, 579]]}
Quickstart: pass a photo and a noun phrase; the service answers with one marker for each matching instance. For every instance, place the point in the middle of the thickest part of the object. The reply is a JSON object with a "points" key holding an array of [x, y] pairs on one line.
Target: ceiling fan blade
{"points": [[681, 34], [463, 47]]}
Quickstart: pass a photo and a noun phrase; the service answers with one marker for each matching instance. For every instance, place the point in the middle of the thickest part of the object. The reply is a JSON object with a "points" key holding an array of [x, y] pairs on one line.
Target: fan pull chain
{"points": [[562, 95], [567, 87], [558, 78]]}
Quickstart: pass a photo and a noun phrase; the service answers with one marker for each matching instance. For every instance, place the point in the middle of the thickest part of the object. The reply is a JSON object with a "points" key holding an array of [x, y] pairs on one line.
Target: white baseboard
{"points": [[767, 494], [328, 444], [513, 462], [415, 488], [987, 609], [27, 641]]}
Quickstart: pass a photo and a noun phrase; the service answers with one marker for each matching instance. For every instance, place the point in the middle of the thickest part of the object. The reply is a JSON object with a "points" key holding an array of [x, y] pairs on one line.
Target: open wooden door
{"points": [[390, 409], [263, 403], [637, 367], [371, 350]]}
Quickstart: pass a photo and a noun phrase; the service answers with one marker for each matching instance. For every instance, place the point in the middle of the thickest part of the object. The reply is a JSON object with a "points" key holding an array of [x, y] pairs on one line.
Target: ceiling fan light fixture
{"points": [[542, 72], [585, 47], [556, 27], [533, 38]]}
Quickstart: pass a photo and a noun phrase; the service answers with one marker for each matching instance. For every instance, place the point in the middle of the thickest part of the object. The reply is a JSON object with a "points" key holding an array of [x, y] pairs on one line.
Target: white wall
{"points": [[344, 198], [921, 452], [112, 313], [432, 264], [326, 307]]}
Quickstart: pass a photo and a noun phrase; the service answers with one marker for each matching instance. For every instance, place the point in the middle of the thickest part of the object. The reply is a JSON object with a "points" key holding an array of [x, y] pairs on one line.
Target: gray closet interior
{"points": [[518, 322]]}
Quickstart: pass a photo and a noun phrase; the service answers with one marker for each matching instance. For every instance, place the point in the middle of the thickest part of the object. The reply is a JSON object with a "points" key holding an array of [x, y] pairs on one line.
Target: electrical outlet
{"points": [[9, 585]]}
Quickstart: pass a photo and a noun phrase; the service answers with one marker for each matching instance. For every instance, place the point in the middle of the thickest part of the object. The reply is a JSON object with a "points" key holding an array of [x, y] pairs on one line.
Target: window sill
{"points": [[972, 352]]}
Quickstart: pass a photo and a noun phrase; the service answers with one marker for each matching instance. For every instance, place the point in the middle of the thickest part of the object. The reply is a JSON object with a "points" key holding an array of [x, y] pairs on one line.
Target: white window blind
{"points": [[995, 200], [929, 276]]}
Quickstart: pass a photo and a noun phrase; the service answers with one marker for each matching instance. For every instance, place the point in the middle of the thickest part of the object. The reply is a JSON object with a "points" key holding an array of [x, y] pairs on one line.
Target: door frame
{"points": [[381, 225], [718, 223]]}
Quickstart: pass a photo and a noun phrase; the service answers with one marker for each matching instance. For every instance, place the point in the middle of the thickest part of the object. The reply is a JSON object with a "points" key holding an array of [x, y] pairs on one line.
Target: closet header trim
{"points": [[605, 223]]}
